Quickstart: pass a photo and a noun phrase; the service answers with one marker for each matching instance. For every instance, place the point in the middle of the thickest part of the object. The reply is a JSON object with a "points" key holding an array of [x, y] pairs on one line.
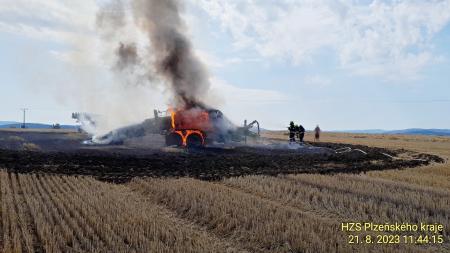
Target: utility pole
{"points": [[245, 133], [24, 114]]}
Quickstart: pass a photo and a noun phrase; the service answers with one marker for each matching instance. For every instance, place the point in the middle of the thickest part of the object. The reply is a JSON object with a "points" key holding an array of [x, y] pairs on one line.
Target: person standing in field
{"points": [[292, 130], [301, 133], [317, 133]]}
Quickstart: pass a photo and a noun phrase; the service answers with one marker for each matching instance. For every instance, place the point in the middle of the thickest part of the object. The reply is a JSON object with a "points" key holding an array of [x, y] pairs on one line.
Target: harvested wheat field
{"points": [[43, 211]]}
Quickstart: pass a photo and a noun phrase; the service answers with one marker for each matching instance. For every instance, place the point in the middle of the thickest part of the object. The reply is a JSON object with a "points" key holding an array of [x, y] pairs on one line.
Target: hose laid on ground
{"points": [[340, 150], [348, 149], [388, 155], [397, 158]]}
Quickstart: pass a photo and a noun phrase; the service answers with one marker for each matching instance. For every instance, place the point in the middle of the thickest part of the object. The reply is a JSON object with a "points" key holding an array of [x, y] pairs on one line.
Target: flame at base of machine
{"points": [[190, 122], [185, 135]]}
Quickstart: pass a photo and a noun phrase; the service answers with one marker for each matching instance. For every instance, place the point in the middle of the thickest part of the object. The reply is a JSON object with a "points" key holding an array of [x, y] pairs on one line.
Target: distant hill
{"points": [[365, 131], [419, 131], [11, 124], [411, 131], [7, 122]]}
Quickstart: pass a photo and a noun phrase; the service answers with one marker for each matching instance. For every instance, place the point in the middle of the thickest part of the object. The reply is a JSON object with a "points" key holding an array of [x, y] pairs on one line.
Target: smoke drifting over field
{"points": [[173, 60], [127, 55]]}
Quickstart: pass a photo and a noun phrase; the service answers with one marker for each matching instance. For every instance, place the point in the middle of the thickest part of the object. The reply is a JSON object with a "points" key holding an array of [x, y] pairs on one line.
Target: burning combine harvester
{"points": [[198, 127], [195, 127]]}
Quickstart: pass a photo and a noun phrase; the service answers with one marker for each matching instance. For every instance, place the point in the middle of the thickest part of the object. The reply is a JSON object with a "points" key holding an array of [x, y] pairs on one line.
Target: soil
{"points": [[66, 155]]}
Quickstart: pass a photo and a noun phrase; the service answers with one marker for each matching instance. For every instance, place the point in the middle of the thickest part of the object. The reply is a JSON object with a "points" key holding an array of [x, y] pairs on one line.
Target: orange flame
{"points": [[172, 116], [185, 135]]}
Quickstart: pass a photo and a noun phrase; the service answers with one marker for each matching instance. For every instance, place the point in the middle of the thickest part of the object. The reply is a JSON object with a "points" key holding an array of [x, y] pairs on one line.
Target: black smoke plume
{"points": [[174, 61]]}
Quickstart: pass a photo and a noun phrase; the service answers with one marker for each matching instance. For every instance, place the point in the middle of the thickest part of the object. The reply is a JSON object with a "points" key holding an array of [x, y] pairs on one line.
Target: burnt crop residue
{"points": [[205, 164]]}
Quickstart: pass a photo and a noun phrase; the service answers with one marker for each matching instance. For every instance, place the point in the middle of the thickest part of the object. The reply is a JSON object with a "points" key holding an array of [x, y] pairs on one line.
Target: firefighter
{"points": [[317, 133], [291, 129], [301, 133]]}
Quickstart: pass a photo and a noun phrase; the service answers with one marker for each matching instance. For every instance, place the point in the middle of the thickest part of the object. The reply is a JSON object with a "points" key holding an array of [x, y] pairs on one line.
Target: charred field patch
{"points": [[120, 166]]}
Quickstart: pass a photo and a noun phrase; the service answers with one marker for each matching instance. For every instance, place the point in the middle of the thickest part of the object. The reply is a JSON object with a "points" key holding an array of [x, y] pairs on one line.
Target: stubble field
{"points": [[252, 213]]}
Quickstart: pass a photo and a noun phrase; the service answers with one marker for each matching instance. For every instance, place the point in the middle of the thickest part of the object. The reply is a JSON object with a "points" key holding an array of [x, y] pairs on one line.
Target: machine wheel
{"points": [[174, 139], [194, 141]]}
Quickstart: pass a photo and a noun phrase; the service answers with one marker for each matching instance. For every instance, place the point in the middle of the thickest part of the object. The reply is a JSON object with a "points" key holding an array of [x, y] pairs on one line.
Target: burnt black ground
{"points": [[120, 164]]}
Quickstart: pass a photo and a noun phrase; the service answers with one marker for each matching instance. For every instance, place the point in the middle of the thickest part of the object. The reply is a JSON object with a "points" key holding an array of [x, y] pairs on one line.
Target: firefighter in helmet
{"points": [[297, 132], [301, 133], [292, 131]]}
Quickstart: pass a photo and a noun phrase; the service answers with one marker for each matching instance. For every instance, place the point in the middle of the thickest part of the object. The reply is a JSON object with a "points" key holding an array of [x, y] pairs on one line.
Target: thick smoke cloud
{"points": [[127, 56], [171, 52]]}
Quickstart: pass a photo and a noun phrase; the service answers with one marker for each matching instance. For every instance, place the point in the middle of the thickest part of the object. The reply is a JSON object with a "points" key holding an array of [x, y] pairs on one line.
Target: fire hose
{"points": [[397, 158], [341, 150], [348, 149]]}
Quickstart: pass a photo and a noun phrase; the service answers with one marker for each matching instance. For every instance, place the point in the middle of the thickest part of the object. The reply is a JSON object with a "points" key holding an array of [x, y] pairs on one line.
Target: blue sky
{"points": [[339, 64]]}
